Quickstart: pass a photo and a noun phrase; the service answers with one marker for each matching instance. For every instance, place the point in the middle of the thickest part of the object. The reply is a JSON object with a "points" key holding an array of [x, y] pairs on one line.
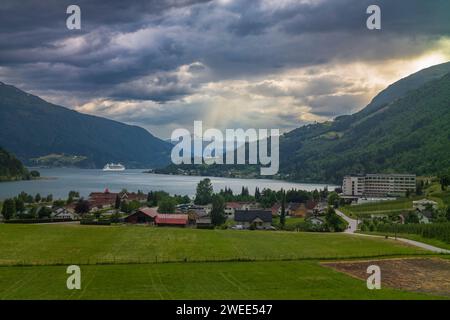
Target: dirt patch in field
{"points": [[429, 275]]}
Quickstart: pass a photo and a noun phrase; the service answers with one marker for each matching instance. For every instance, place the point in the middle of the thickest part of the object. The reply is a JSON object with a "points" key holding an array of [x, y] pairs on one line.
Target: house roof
{"points": [[233, 205], [198, 212], [294, 205], [107, 197], [151, 212], [175, 219], [251, 215], [311, 204]]}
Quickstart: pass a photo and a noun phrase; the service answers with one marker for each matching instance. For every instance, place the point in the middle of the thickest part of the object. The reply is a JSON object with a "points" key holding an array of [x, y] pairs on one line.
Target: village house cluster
{"points": [[239, 214]]}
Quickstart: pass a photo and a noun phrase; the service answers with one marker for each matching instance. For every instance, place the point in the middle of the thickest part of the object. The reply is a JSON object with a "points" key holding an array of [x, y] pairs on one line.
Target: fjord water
{"points": [[59, 181]]}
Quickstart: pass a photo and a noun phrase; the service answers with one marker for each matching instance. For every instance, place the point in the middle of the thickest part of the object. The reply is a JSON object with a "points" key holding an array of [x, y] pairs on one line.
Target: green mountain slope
{"points": [[11, 168], [32, 128], [404, 129]]}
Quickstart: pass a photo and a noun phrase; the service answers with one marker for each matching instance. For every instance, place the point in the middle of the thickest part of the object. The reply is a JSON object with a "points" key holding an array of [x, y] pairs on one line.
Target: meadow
{"points": [[225, 280], [137, 262], [67, 244]]}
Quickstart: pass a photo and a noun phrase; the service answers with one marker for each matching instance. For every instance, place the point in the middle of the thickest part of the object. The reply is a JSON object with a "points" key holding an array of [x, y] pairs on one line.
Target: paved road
{"points": [[352, 223]]}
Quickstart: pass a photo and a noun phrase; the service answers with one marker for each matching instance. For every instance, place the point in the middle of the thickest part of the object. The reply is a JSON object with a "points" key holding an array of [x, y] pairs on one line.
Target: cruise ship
{"points": [[113, 167]]}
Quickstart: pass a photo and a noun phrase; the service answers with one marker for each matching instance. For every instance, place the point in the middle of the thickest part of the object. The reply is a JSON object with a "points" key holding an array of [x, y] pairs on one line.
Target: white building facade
{"points": [[378, 185]]}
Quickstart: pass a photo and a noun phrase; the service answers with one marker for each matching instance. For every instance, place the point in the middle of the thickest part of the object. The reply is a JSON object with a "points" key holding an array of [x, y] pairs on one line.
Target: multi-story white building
{"points": [[378, 185]]}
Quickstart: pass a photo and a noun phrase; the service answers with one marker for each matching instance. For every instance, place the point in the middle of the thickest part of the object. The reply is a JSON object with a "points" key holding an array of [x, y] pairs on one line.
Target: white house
{"points": [[422, 204], [63, 213], [315, 221]]}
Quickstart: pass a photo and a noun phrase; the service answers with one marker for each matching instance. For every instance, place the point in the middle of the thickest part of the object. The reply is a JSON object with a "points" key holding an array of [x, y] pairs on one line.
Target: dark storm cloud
{"points": [[148, 49]]}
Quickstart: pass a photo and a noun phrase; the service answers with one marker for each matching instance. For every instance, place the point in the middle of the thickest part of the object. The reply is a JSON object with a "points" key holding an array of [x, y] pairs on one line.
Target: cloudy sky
{"points": [[231, 63]]}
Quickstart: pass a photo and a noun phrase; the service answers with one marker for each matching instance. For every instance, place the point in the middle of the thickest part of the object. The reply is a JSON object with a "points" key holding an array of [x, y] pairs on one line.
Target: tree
{"points": [[316, 195], [444, 180], [72, 194], [9, 209], [49, 198], [333, 199], [82, 206], [408, 193], [218, 210], [324, 193], [257, 194], [29, 199], [283, 209], [419, 188], [124, 207], [23, 196], [150, 197], [204, 192], [334, 222], [33, 212], [20, 205], [58, 203], [117, 202], [244, 192], [268, 198], [37, 198], [412, 217], [44, 212], [167, 205], [153, 197]]}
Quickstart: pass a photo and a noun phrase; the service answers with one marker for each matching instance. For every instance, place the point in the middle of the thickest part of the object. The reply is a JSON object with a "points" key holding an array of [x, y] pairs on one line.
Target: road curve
{"points": [[353, 224]]}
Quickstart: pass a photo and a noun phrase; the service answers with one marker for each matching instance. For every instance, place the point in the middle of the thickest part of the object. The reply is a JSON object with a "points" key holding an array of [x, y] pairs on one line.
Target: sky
{"points": [[231, 63]]}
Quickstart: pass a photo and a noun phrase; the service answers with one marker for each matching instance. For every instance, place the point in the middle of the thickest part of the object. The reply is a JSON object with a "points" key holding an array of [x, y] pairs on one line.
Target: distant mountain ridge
{"points": [[405, 128], [32, 128]]}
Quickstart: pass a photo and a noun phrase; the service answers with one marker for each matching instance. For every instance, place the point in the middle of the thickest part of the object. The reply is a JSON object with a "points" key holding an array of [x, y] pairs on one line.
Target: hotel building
{"points": [[378, 185]]}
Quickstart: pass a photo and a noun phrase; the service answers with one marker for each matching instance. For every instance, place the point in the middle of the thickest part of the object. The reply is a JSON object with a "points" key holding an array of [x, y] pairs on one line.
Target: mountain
{"points": [[11, 168], [405, 128], [34, 129]]}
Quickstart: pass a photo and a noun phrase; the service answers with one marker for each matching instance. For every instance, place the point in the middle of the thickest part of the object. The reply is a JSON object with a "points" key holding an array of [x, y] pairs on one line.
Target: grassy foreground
{"points": [[225, 280], [131, 262], [75, 244]]}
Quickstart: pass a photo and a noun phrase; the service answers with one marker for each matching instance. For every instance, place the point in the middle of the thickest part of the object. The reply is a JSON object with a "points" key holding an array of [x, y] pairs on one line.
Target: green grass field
{"points": [[385, 207], [118, 262], [226, 280], [67, 244]]}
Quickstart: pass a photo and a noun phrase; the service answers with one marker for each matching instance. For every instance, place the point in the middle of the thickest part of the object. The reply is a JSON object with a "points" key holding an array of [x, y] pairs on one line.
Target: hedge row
{"points": [[440, 231], [36, 220]]}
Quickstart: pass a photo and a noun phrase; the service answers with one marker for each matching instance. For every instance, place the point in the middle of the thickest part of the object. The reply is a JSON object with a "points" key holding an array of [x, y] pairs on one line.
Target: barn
{"points": [[143, 215]]}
